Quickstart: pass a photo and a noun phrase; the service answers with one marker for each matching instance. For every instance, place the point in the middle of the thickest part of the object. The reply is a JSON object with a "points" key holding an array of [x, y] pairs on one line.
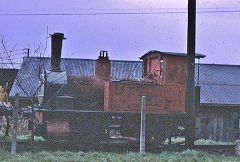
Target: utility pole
{"points": [[190, 81], [33, 128], [27, 52]]}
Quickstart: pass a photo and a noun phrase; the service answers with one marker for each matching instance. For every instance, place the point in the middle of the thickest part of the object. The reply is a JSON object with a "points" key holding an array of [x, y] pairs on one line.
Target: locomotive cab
{"points": [[163, 79]]}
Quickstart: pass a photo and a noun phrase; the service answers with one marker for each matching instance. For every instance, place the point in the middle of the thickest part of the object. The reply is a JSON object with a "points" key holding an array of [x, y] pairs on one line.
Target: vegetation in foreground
{"points": [[200, 141], [187, 156], [47, 153], [19, 138], [174, 140]]}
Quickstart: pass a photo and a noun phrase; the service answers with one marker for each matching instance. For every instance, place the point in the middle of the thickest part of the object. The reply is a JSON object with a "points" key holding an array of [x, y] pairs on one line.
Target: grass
{"points": [[54, 154], [200, 141], [210, 142], [187, 156], [19, 138]]}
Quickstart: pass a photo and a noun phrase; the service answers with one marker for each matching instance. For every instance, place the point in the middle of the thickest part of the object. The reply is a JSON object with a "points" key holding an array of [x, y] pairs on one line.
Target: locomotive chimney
{"points": [[56, 48], [103, 65]]}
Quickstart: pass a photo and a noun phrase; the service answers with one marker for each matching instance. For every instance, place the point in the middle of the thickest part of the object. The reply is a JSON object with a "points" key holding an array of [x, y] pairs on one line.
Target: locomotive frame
{"points": [[93, 127]]}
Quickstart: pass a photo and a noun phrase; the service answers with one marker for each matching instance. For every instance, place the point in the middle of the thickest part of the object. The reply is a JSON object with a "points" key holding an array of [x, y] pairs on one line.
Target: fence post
{"points": [[15, 119], [143, 124], [237, 148], [33, 129]]}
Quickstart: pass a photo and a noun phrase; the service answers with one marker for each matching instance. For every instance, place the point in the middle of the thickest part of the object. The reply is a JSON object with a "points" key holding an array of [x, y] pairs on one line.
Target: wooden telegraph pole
{"points": [[190, 82]]}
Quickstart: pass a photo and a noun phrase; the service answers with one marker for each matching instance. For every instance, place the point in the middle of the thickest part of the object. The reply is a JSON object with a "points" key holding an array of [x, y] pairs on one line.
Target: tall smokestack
{"points": [[56, 48]]}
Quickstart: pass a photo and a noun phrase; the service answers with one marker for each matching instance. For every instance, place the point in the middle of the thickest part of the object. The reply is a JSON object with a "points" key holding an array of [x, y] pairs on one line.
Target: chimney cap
{"points": [[58, 34], [103, 54]]}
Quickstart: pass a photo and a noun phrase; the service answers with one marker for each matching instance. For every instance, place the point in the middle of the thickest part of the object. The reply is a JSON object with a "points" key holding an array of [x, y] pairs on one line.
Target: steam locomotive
{"points": [[91, 109]]}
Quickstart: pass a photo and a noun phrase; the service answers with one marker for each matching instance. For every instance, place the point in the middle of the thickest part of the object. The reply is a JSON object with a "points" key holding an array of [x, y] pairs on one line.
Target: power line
{"points": [[17, 50], [85, 14], [113, 9], [114, 13], [10, 51], [17, 54], [6, 63], [14, 52]]}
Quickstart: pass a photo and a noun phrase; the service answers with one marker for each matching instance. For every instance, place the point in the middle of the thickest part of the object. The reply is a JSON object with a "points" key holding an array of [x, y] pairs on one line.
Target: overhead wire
{"points": [[112, 9], [15, 50], [116, 13], [11, 58], [17, 54], [12, 51]]}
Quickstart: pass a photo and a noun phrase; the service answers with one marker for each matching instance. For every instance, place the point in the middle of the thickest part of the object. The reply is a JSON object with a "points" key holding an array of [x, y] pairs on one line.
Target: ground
{"points": [[188, 156], [55, 153]]}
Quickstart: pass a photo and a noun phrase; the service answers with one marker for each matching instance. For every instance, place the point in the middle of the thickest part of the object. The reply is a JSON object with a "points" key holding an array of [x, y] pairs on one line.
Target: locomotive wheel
{"points": [[87, 133], [156, 137]]}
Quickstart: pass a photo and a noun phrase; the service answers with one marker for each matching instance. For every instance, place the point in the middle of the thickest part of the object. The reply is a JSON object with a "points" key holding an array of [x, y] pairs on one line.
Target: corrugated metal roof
{"points": [[7, 76], [220, 94], [28, 73], [220, 84]]}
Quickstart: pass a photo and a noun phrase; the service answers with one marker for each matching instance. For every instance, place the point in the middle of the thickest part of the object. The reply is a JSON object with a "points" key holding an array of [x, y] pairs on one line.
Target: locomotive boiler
{"points": [[91, 109]]}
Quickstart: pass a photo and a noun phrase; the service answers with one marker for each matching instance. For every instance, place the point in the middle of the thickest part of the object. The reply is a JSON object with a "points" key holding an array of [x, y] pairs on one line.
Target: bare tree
{"points": [[8, 56], [39, 51]]}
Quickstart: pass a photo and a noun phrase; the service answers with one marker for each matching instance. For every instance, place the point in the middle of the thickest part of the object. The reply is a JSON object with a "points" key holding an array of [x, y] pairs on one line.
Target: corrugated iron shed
{"points": [[220, 84]]}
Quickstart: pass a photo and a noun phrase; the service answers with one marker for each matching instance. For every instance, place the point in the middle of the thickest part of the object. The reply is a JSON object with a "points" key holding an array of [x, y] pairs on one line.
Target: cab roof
{"points": [[197, 55]]}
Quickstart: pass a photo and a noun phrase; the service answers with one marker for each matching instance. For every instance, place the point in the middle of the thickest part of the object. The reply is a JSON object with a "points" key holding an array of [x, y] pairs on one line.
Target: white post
{"points": [[237, 148], [15, 119], [143, 124]]}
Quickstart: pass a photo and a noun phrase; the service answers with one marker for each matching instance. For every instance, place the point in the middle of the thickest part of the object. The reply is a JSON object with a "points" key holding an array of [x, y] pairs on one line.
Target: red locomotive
{"points": [[89, 109]]}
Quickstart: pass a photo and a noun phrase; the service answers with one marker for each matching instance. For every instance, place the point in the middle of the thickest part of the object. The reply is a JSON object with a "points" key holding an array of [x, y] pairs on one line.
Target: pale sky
{"points": [[125, 36]]}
